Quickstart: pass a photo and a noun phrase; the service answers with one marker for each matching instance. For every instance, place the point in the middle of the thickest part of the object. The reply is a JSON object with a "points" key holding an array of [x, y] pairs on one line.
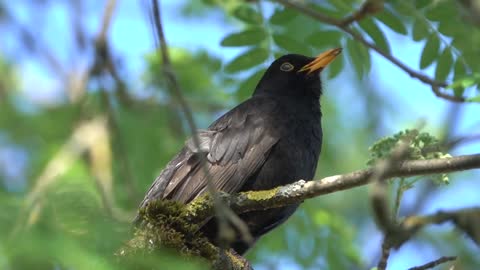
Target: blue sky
{"points": [[131, 37]]}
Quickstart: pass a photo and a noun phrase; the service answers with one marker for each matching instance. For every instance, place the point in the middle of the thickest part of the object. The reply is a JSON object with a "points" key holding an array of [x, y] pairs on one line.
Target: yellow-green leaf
{"points": [[474, 99], [247, 60], [252, 36]]}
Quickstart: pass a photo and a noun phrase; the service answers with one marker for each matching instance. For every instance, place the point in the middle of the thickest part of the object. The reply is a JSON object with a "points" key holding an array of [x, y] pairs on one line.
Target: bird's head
{"points": [[295, 75]]}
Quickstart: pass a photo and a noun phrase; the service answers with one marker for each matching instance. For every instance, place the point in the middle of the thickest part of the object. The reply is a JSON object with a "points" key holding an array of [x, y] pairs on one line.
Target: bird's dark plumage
{"points": [[272, 139]]}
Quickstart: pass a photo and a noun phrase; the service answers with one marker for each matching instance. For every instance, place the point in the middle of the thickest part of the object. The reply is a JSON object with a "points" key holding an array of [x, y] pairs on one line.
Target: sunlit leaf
{"points": [[444, 65], [392, 21], [430, 51], [247, 60], [252, 36], [369, 26], [474, 99], [460, 84]]}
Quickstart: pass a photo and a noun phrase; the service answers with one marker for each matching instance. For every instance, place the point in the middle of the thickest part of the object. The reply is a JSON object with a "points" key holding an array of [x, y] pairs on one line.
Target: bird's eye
{"points": [[286, 67]]}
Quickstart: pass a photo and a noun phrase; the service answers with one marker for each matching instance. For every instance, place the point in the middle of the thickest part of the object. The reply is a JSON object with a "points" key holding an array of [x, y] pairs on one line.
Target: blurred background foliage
{"points": [[86, 126]]}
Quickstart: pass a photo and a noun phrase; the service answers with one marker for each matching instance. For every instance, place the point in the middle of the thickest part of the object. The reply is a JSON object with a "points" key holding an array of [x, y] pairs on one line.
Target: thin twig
{"points": [[434, 263], [340, 24], [222, 213], [382, 263], [369, 7]]}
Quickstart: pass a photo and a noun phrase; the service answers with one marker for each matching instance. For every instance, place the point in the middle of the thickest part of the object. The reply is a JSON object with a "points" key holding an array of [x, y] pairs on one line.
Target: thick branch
{"points": [[189, 216], [297, 192]]}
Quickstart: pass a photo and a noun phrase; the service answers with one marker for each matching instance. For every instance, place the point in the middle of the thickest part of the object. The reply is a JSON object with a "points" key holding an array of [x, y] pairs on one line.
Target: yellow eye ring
{"points": [[286, 67]]}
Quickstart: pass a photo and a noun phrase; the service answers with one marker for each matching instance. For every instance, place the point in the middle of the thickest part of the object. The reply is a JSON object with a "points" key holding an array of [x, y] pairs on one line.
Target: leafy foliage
{"points": [[421, 146]]}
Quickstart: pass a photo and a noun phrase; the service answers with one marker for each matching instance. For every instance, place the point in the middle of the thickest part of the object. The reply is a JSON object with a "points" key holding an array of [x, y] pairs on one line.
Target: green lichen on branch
{"points": [[261, 195], [164, 226]]}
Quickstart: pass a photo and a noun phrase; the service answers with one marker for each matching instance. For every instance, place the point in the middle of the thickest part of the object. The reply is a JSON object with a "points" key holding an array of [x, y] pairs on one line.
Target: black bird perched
{"points": [[272, 139]]}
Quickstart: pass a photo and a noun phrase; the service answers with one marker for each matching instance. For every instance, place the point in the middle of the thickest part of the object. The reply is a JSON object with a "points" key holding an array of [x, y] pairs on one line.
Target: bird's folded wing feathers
{"points": [[233, 148]]}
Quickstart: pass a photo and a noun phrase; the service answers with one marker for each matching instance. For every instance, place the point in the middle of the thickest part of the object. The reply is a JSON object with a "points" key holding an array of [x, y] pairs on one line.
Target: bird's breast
{"points": [[296, 153]]}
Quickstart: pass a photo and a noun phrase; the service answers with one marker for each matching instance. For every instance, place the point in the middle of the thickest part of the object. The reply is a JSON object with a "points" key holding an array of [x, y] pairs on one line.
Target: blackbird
{"points": [[272, 139]]}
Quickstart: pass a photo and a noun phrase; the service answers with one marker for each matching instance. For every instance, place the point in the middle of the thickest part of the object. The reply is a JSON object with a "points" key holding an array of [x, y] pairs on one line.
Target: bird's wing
{"points": [[234, 148]]}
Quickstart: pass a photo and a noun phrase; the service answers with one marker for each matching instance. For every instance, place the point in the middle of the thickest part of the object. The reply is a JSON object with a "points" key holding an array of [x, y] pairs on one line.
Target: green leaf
{"points": [[247, 60], [341, 6], [459, 72], [282, 16], [324, 39], [359, 57], [376, 34], [444, 65], [419, 4], [247, 14], [459, 69], [420, 29], [335, 67], [460, 84], [392, 21], [450, 27], [430, 51], [443, 10], [291, 45], [474, 99], [251, 36], [245, 89]]}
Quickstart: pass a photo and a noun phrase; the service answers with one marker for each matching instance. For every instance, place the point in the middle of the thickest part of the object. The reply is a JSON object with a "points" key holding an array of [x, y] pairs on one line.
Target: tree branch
{"points": [[434, 263], [299, 191], [435, 85], [369, 7], [182, 221]]}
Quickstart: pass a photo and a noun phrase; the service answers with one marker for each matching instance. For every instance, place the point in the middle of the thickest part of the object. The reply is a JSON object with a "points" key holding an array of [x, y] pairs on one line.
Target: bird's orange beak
{"points": [[321, 61]]}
